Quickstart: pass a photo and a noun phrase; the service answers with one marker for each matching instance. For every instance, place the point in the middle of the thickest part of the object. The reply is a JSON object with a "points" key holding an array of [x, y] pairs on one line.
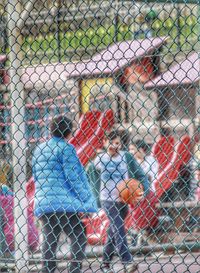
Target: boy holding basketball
{"points": [[109, 169]]}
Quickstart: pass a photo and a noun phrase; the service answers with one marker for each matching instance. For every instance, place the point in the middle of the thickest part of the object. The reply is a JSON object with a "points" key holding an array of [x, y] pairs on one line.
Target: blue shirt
{"points": [[112, 171]]}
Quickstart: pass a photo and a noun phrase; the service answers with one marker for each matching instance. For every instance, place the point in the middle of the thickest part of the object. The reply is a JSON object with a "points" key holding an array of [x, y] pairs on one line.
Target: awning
{"points": [[109, 61], [187, 72]]}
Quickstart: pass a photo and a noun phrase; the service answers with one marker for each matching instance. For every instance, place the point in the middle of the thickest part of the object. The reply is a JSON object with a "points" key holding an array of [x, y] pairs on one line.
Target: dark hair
{"points": [[113, 135], [61, 126], [165, 131], [143, 145]]}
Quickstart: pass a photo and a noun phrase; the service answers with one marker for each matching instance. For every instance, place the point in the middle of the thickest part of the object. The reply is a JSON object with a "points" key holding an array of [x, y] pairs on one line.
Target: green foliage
{"points": [[180, 32]]}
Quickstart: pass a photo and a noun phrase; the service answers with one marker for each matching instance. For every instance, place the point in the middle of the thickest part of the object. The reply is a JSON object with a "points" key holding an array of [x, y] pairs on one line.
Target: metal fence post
{"points": [[198, 92], [18, 136], [58, 31]]}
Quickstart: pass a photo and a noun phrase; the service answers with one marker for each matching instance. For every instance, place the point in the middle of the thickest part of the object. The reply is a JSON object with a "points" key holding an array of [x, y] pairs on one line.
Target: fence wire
{"points": [[99, 136]]}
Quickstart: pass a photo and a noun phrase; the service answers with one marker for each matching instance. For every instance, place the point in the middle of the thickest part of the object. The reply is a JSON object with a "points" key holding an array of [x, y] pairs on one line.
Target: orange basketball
{"points": [[130, 191]]}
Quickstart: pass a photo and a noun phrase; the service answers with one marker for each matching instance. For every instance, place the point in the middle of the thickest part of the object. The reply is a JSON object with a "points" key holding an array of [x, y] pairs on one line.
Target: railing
{"points": [[37, 116]]}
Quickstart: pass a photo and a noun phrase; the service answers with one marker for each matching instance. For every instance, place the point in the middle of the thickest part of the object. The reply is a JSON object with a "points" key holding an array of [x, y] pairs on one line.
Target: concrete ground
{"points": [[183, 263], [158, 263]]}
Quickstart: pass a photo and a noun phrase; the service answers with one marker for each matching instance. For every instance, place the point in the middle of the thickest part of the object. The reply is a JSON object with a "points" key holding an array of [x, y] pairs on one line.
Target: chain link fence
{"points": [[99, 136]]}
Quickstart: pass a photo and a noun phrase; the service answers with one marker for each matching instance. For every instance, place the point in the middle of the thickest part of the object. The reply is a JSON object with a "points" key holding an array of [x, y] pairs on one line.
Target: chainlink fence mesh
{"points": [[99, 136]]}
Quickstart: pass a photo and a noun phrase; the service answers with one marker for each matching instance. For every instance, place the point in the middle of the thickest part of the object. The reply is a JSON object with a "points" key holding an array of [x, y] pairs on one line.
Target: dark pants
{"points": [[116, 212], [52, 226]]}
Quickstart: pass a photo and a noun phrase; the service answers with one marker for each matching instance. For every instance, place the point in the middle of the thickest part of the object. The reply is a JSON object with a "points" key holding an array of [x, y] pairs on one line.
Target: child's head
{"points": [[113, 143], [132, 148], [143, 147], [61, 126], [135, 151]]}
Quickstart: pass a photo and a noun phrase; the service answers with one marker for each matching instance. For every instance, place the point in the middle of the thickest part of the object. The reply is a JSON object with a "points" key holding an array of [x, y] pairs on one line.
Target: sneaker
{"points": [[134, 240], [130, 268], [106, 268]]}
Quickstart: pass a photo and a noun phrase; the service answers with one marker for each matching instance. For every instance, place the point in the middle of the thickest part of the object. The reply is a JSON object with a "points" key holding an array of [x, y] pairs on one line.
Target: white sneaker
{"points": [[106, 269], [130, 268]]}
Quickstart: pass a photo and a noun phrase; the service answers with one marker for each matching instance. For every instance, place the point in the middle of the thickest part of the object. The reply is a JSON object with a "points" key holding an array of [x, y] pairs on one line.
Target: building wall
{"points": [[96, 94], [177, 108]]}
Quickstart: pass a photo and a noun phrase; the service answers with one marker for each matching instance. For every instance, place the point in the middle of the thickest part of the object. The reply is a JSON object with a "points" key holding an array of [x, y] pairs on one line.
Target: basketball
{"points": [[130, 191]]}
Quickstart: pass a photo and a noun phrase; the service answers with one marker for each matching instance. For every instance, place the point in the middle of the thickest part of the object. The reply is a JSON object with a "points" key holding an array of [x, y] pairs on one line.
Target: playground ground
{"points": [[157, 262], [180, 263]]}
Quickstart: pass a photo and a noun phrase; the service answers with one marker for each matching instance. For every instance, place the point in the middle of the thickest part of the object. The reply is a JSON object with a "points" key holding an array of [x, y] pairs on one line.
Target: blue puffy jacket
{"points": [[60, 180]]}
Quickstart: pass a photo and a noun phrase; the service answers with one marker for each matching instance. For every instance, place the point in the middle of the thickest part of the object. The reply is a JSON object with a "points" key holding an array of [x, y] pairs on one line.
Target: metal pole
{"points": [[116, 22], [3, 34], [2, 236], [197, 101], [58, 23], [25, 14], [18, 139], [178, 25]]}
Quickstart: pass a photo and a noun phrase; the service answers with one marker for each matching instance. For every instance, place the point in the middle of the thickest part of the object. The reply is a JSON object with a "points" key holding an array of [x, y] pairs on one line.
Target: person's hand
{"points": [[86, 215]]}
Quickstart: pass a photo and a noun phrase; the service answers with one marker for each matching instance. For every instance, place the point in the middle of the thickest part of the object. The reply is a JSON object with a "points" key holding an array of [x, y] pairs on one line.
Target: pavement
{"points": [[179, 263], [158, 263]]}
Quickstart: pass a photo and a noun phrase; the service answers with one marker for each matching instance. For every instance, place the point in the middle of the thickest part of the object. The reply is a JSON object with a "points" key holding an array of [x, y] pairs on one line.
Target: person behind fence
{"points": [[147, 162], [110, 168], [184, 187], [62, 193], [138, 155]]}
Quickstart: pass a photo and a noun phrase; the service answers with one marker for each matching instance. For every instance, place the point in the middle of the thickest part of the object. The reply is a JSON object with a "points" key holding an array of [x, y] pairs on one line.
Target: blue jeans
{"points": [[116, 212]]}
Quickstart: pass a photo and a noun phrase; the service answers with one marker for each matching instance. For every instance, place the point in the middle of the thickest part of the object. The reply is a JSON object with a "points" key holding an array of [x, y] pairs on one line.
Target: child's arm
{"points": [[135, 171], [153, 170]]}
